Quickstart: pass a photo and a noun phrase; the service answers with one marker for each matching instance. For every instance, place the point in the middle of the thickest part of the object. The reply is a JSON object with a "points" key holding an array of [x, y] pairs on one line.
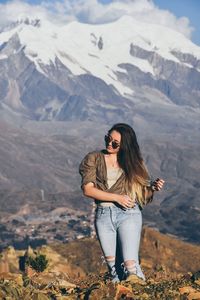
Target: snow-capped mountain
{"points": [[92, 76], [52, 72]]}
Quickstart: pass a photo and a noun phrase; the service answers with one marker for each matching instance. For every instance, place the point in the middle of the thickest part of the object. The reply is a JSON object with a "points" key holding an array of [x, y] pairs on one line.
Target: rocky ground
{"points": [[75, 271], [95, 287]]}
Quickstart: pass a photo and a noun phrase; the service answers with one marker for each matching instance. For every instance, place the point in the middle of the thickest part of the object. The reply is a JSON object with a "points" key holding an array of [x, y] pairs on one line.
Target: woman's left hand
{"points": [[157, 185]]}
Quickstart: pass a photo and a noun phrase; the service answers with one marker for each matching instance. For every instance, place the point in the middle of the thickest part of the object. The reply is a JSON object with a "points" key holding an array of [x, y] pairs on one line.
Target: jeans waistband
{"points": [[117, 208]]}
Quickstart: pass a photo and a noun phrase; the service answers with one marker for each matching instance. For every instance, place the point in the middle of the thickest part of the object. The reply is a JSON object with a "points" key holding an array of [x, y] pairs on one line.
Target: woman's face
{"points": [[113, 143]]}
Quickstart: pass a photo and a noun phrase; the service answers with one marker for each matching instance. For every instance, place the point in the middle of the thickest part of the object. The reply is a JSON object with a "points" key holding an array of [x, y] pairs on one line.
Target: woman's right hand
{"points": [[125, 201]]}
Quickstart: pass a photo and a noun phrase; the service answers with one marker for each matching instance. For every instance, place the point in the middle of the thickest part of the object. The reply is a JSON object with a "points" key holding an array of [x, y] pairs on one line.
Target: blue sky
{"points": [[179, 8], [187, 8]]}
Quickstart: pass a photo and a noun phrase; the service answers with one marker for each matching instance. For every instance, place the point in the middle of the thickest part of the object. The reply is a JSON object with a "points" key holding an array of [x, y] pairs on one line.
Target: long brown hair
{"points": [[130, 159]]}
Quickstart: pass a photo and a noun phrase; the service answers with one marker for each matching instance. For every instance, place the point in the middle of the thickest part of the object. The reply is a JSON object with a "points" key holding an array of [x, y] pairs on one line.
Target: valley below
{"points": [[61, 90], [41, 199]]}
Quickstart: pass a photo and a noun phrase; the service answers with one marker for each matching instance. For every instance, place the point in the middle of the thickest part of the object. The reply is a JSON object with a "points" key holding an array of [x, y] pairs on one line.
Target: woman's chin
{"points": [[110, 150]]}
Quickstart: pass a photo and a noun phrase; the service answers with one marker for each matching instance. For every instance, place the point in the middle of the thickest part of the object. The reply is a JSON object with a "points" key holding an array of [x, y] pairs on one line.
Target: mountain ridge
{"points": [[56, 116], [48, 78]]}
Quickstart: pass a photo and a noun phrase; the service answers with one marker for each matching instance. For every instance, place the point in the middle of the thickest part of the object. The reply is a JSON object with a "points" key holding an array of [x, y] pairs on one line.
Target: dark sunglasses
{"points": [[108, 139]]}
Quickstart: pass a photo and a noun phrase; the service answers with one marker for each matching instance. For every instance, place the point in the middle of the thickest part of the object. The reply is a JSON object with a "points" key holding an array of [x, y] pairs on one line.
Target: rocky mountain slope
{"points": [[64, 73], [61, 88], [39, 174]]}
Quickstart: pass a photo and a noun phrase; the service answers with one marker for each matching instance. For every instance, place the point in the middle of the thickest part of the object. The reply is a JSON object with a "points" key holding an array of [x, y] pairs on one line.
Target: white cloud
{"points": [[92, 11], [15, 10]]}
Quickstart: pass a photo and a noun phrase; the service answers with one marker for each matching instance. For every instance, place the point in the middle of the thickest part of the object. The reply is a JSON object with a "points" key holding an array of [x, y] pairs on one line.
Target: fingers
{"points": [[158, 184], [127, 202]]}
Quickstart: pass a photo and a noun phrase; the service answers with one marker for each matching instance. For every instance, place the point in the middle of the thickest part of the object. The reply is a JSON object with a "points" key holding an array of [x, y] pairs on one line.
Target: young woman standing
{"points": [[117, 179]]}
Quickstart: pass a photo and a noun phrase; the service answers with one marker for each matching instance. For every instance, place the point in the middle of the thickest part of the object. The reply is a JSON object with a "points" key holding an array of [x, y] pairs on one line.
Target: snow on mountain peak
{"points": [[28, 21], [98, 49]]}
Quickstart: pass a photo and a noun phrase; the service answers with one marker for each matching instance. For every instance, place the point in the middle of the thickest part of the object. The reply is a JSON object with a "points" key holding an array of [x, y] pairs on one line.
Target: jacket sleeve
{"points": [[87, 169], [148, 194]]}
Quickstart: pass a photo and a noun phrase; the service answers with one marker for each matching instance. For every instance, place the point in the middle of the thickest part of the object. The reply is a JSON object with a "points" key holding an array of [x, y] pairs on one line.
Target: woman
{"points": [[119, 182]]}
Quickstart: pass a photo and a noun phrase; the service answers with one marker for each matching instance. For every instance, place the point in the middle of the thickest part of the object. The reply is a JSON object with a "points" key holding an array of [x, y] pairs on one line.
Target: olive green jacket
{"points": [[93, 169]]}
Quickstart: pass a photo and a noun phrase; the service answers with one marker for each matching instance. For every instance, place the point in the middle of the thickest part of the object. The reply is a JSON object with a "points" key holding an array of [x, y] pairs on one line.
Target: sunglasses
{"points": [[114, 144]]}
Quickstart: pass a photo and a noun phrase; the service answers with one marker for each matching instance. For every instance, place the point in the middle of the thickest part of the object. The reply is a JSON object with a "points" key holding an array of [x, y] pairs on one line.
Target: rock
{"points": [[96, 291], [39, 296], [192, 293], [11, 251], [144, 296], [197, 281], [4, 266], [134, 279], [12, 277], [64, 283], [49, 279], [68, 297], [194, 296], [123, 292], [30, 272], [60, 264], [186, 290], [151, 281]]}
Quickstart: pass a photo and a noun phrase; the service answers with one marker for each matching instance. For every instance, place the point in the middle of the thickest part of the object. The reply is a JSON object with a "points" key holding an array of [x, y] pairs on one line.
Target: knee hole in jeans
{"points": [[110, 258]]}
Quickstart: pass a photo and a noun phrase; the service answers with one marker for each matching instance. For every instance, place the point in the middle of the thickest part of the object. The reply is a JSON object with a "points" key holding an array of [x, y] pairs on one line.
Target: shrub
{"points": [[38, 263]]}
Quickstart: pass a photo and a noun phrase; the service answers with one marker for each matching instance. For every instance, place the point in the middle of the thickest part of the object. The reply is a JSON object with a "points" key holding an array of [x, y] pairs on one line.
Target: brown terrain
{"points": [[75, 271], [39, 173]]}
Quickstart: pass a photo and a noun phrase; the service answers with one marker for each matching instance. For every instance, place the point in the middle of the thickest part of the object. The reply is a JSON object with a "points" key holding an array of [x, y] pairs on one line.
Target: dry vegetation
{"points": [[75, 271]]}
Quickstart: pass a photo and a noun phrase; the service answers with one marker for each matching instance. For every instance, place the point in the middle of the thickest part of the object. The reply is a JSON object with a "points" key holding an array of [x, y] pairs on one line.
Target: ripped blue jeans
{"points": [[116, 227]]}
